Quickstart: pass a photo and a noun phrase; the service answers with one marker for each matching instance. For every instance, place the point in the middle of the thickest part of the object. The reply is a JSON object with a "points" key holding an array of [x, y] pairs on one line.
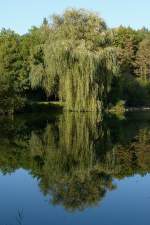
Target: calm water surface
{"points": [[69, 169]]}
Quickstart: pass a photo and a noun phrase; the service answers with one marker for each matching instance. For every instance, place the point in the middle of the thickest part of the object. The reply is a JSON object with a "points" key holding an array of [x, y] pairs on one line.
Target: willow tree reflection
{"points": [[71, 172], [75, 156]]}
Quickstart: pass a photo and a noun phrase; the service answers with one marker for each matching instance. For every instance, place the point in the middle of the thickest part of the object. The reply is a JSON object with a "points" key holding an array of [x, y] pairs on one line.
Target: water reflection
{"points": [[75, 156]]}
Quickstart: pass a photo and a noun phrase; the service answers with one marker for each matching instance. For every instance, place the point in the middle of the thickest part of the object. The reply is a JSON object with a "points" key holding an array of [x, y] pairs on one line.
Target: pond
{"points": [[75, 168]]}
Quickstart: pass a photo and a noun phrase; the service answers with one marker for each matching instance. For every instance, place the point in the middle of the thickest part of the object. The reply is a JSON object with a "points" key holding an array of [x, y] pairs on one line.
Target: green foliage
{"points": [[143, 60], [127, 40], [133, 84], [134, 92], [11, 72], [77, 60], [118, 109]]}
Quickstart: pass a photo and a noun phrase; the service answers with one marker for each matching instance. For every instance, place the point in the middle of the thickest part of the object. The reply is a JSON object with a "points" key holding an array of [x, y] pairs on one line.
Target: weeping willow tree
{"points": [[77, 61]]}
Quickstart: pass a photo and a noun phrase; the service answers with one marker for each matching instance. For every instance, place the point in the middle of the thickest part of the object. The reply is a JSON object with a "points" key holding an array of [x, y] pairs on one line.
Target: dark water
{"points": [[69, 169]]}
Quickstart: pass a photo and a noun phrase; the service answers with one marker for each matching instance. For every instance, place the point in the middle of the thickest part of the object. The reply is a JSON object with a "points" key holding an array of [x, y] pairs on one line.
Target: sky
{"points": [[21, 15]]}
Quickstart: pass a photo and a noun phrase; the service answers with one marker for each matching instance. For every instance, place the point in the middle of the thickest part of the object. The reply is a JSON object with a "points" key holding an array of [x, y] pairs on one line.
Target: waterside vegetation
{"points": [[76, 60], [75, 168]]}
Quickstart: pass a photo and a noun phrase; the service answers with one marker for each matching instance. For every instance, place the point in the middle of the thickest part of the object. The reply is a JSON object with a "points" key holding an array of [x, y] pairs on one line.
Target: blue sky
{"points": [[20, 15]]}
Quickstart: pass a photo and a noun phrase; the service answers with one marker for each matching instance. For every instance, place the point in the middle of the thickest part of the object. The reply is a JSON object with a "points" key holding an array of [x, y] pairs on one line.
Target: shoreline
{"points": [[132, 109]]}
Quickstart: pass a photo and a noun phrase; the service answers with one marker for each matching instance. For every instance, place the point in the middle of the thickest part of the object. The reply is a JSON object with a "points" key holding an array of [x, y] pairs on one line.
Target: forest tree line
{"points": [[77, 60]]}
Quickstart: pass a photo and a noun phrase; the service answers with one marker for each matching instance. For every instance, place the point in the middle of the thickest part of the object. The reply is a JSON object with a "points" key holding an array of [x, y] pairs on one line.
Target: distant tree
{"points": [[45, 22], [127, 40], [143, 33], [143, 60]]}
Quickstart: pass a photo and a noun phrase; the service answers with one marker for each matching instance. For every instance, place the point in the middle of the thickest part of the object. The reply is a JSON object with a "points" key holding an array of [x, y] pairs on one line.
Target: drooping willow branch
{"points": [[82, 69]]}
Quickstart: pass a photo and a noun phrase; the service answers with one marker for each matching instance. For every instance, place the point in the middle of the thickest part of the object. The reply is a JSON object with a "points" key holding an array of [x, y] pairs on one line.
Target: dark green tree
{"points": [[11, 72]]}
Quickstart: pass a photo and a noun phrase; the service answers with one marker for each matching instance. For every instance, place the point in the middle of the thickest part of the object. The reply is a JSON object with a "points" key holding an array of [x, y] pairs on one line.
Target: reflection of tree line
{"points": [[75, 157]]}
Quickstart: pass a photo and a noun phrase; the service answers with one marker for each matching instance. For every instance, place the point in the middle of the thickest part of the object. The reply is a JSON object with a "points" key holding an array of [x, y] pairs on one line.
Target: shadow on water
{"points": [[76, 156]]}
